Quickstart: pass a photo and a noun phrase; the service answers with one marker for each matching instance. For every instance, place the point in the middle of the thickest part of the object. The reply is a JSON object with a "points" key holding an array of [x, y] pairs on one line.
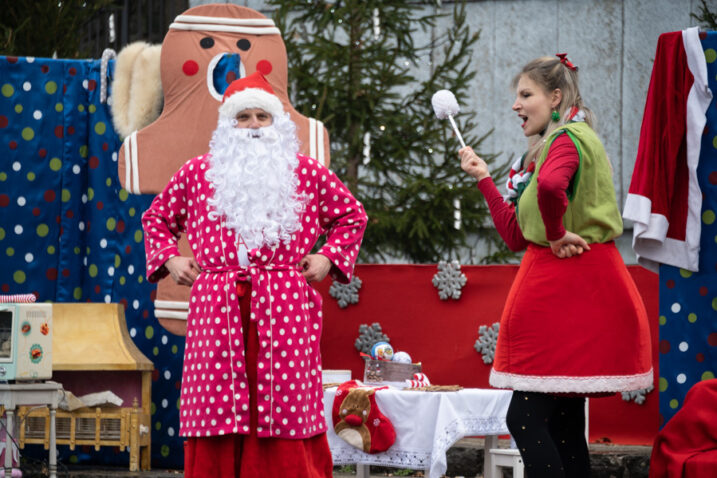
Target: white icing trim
{"points": [[225, 20], [225, 28], [563, 384], [210, 76], [171, 304], [312, 138], [320, 142], [169, 314], [135, 163]]}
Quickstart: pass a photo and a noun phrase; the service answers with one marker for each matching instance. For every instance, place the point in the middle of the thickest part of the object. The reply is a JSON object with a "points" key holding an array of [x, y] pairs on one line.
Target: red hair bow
{"points": [[564, 60]]}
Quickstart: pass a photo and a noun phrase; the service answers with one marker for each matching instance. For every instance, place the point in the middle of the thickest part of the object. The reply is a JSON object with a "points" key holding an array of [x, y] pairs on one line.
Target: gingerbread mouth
{"points": [[221, 71]]}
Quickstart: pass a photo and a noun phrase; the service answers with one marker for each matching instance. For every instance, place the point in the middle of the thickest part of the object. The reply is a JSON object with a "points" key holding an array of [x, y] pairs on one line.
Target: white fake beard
{"points": [[254, 180]]}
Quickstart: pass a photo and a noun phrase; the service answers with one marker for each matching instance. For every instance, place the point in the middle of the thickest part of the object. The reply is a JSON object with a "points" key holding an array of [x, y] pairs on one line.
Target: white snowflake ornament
{"points": [[346, 294], [487, 338], [449, 280], [638, 396]]}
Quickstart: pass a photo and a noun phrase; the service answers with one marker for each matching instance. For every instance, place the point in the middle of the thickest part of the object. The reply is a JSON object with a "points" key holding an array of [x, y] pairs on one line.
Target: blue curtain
{"points": [[688, 301], [68, 231]]}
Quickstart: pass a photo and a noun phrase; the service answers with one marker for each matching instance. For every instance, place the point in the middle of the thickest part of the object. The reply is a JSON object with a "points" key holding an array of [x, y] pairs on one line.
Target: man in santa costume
{"points": [[252, 210]]}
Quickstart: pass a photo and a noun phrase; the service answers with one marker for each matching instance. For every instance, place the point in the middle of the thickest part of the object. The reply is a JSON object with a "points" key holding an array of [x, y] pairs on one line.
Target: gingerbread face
{"points": [[209, 46], [206, 48]]}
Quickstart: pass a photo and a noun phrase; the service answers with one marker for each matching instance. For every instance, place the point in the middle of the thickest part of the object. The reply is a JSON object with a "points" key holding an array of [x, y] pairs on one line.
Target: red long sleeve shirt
{"points": [[555, 175]]}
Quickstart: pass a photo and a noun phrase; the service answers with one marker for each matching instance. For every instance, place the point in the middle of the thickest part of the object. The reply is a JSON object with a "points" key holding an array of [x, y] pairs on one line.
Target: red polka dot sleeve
{"points": [[163, 222], [343, 219]]}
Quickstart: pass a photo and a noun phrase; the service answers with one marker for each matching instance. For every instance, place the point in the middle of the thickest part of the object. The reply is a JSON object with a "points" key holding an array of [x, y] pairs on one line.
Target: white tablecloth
{"points": [[427, 424]]}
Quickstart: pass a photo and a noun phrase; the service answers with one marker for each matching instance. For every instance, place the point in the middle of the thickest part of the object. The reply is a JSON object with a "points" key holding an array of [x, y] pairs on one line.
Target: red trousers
{"points": [[248, 456]]}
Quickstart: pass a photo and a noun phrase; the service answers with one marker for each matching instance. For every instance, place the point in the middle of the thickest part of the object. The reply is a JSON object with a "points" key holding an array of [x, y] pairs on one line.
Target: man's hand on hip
{"points": [[315, 267], [184, 270]]}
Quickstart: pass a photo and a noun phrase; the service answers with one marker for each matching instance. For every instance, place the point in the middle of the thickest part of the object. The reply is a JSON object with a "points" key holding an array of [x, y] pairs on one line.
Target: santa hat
{"points": [[252, 91]]}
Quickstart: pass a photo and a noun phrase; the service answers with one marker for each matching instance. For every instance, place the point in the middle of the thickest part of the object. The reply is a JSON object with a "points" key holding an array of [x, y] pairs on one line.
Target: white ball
{"points": [[444, 104], [402, 357]]}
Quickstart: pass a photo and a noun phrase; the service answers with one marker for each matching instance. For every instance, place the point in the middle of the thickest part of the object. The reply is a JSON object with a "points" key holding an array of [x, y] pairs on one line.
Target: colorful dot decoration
{"points": [[688, 300], [69, 232]]}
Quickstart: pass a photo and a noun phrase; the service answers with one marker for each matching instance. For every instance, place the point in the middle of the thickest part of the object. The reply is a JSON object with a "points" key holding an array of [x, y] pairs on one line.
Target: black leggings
{"points": [[550, 433]]}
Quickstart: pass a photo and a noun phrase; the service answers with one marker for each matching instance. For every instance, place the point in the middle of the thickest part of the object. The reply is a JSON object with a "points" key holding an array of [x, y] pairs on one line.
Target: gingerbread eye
{"points": [[206, 42], [243, 44]]}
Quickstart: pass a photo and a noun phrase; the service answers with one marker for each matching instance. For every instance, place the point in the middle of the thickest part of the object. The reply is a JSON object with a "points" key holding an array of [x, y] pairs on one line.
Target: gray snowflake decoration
{"points": [[487, 338], [346, 294], [449, 280], [369, 336], [638, 396]]}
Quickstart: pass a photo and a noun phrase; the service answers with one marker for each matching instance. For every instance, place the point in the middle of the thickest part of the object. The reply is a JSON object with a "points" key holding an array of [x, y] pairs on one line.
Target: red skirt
{"points": [[248, 456], [575, 325]]}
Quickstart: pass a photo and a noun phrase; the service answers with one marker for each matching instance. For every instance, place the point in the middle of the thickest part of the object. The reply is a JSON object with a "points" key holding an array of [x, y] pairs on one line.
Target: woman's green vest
{"points": [[592, 211]]}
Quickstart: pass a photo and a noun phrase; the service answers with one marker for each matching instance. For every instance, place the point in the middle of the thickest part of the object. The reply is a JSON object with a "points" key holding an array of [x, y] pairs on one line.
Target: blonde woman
{"points": [[574, 324]]}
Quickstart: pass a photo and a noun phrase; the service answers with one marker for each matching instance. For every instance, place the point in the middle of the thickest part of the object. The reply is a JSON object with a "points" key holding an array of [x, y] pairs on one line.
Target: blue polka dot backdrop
{"points": [[69, 232], [688, 301]]}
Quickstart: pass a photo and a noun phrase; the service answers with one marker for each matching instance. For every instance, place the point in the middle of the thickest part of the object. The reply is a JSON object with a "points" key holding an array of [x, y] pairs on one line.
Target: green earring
{"points": [[555, 116]]}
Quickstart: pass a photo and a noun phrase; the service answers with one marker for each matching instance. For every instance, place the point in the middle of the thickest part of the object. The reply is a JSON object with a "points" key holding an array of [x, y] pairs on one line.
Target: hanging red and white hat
{"points": [[252, 91]]}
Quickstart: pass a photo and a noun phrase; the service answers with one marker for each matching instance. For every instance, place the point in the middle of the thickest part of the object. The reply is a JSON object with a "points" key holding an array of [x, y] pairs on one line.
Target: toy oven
{"points": [[25, 341]]}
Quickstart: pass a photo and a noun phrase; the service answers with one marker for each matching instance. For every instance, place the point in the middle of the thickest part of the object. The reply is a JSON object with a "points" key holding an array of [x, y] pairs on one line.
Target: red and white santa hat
{"points": [[252, 91]]}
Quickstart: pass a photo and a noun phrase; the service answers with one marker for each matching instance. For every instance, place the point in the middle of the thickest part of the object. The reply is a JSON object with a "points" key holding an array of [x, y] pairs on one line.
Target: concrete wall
{"points": [[612, 41]]}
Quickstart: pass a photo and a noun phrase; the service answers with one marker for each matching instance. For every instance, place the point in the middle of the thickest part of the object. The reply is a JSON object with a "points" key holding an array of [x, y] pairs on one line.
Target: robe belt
{"points": [[254, 273]]}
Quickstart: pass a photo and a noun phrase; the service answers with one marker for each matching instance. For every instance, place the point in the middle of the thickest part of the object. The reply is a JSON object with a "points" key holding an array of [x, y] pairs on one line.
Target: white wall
{"points": [[612, 41]]}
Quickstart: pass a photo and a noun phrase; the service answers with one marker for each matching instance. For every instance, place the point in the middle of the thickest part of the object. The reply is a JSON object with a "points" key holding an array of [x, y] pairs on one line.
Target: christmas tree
{"points": [[353, 65]]}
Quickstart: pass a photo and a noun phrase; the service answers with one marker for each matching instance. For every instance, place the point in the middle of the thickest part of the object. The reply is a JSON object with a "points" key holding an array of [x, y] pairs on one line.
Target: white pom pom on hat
{"points": [[444, 104], [252, 91]]}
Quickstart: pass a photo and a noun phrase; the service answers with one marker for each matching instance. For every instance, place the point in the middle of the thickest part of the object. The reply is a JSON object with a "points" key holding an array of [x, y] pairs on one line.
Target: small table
{"points": [[44, 393], [427, 424]]}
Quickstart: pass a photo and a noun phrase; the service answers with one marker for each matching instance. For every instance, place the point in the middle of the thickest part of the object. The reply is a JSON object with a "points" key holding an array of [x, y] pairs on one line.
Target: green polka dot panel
{"points": [[58, 195]]}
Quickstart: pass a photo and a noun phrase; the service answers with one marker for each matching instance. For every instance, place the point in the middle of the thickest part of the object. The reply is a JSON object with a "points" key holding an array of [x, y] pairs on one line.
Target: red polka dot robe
{"points": [[215, 397]]}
